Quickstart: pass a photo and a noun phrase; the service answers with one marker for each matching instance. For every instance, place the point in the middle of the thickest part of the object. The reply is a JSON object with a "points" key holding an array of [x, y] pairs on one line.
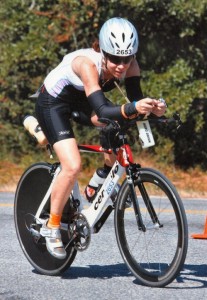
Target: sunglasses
{"points": [[118, 60]]}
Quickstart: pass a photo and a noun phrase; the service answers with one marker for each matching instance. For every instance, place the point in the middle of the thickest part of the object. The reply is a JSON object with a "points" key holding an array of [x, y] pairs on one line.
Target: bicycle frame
{"points": [[124, 158], [95, 210]]}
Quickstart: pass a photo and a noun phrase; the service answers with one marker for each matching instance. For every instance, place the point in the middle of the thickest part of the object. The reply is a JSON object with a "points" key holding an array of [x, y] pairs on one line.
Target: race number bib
{"points": [[145, 134]]}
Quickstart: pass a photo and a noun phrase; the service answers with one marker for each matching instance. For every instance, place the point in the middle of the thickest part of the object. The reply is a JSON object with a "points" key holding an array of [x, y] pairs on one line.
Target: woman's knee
{"points": [[69, 156], [71, 169]]}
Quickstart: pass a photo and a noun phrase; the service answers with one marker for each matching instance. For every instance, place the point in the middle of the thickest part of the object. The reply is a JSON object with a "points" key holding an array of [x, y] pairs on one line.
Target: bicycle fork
{"points": [[147, 201], [136, 206], [149, 207]]}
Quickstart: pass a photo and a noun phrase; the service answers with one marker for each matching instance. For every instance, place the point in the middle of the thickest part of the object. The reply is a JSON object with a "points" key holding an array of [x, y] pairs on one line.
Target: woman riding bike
{"points": [[78, 84]]}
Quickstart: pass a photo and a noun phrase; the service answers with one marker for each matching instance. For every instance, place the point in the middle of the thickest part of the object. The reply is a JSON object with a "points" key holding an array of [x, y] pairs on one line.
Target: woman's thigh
{"points": [[54, 119], [68, 155]]}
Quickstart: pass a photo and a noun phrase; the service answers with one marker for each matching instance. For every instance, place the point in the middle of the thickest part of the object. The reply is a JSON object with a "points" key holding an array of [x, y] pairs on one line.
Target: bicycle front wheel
{"points": [[155, 254], [30, 192]]}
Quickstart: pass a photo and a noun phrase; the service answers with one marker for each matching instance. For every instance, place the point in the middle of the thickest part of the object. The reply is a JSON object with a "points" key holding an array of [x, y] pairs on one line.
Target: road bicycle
{"points": [[149, 217]]}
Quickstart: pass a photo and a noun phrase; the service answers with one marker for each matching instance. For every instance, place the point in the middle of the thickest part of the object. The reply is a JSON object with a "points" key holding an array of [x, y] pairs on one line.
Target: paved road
{"points": [[99, 272]]}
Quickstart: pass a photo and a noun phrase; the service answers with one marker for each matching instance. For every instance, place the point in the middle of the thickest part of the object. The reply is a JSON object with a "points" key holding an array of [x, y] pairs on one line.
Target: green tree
{"points": [[36, 34]]}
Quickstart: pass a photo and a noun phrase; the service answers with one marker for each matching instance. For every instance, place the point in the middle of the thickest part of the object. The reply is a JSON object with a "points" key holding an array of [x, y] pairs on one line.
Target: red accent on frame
{"points": [[125, 156], [94, 148]]}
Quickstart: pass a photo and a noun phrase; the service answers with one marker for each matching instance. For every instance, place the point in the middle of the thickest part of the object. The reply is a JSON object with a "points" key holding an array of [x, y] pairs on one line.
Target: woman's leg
{"points": [[109, 159], [69, 157]]}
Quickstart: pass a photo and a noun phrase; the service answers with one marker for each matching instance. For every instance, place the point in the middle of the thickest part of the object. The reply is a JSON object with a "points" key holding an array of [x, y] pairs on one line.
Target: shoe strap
{"points": [[50, 232], [54, 243]]}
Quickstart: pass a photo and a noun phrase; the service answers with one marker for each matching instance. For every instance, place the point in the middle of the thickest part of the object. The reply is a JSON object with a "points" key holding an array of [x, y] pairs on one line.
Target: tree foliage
{"points": [[36, 34]]}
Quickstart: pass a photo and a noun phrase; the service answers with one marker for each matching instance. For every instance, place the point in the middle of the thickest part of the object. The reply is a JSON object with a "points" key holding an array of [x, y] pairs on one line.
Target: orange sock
{"points": [[54, 221]]}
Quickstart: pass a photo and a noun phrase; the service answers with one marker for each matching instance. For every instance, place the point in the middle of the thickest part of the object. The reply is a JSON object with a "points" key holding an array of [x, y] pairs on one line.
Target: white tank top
{"points": [[63, 75]]}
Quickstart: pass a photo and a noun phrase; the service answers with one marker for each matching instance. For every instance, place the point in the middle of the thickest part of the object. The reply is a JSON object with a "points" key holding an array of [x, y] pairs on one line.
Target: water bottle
{"points": [[96, 182], [31, 124]]}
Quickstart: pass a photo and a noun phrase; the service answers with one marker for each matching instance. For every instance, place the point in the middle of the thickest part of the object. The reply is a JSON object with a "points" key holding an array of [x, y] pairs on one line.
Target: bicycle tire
{"points": [[30, 191], [155, 256]]}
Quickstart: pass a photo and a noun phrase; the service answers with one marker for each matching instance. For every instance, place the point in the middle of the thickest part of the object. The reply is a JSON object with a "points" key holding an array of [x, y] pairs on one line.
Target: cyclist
{"points": [[78, 83]]}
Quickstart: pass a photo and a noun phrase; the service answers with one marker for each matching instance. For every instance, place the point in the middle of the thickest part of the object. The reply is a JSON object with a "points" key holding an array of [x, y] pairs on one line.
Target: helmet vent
{"points": [[123, 37], [128, 45], [131, 35], [113, 35], [111, 43], [117, 45]]}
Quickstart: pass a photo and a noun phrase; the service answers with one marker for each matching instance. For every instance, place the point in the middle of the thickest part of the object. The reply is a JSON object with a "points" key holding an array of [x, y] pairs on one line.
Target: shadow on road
{"points": [[96, 271], [191, 277]]}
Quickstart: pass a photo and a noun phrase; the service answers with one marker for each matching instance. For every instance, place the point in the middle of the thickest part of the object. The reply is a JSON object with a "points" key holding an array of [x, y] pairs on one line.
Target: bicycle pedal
{"points": [[35, 233]]}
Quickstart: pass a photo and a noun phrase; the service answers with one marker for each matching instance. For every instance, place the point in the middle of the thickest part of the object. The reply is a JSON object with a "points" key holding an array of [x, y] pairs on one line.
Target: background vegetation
{"points": [[36, 34]]}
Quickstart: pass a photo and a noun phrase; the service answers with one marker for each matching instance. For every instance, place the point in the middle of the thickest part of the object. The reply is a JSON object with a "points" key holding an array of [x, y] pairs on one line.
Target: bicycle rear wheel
{"points": [[30, 192], [155, 256]]}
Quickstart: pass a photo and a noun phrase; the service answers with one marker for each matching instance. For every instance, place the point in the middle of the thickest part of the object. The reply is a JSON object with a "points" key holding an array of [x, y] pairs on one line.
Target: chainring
{"points": [[79, 231]]}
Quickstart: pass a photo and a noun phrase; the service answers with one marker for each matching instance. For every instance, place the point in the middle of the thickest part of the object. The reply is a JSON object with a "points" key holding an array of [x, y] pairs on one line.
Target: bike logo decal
{"points": [[100, 198], [110, 186], [63, 132]]}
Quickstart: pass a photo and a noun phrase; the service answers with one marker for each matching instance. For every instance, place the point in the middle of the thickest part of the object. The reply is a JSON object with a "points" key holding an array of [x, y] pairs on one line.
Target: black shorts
{"points": [[54, 114]]}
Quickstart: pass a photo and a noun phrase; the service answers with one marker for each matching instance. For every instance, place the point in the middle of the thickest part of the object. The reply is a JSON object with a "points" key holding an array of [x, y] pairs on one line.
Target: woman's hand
{"points": [[147, 106], [159, 108]]}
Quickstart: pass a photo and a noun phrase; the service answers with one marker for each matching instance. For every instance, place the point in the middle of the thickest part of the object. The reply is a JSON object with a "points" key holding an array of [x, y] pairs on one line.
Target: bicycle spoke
{"points": [[156, 255]]}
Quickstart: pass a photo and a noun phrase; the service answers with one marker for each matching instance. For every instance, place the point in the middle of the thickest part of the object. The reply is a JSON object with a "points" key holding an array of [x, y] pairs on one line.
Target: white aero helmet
{"points": [[118, 37]]}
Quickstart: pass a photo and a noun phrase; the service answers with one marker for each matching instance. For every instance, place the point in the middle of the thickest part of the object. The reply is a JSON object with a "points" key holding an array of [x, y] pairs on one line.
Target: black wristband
{"points": [[130, 110]]}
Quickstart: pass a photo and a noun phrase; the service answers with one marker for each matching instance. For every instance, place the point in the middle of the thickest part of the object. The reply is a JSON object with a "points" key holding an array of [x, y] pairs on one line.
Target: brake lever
{"points": [[174, 119], [109, 123]]}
